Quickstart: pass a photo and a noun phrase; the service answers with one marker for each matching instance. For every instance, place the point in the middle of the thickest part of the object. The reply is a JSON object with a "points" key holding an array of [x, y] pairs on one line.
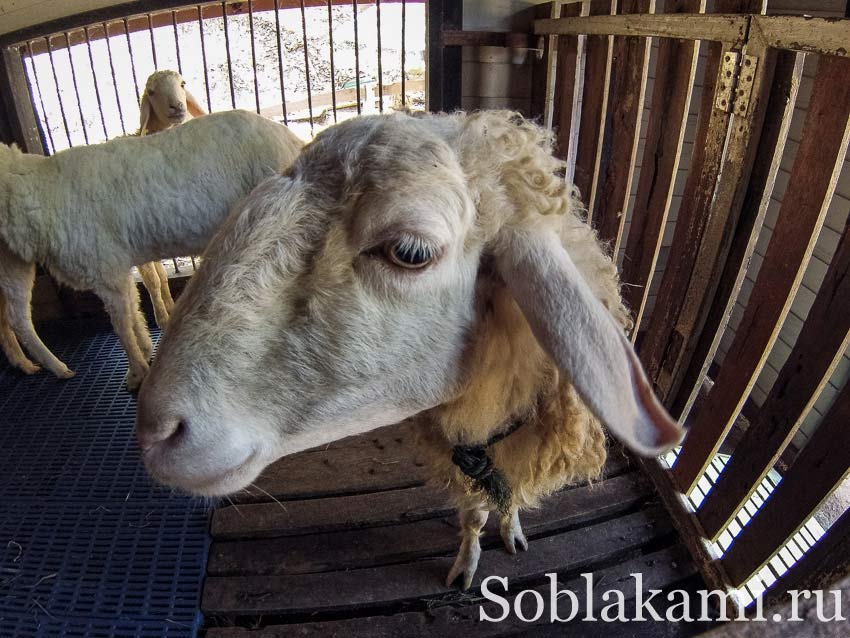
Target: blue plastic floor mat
{"points": [[89, 547]]}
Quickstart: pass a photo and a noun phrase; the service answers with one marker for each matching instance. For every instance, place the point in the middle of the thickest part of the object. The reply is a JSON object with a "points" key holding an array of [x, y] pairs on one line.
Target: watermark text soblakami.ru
{"points": [[565, 605]]}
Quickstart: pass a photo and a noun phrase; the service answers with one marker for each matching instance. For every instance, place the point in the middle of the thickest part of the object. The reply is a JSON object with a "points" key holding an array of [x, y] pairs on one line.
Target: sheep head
{"points": [[166, 102], [339, 297]]}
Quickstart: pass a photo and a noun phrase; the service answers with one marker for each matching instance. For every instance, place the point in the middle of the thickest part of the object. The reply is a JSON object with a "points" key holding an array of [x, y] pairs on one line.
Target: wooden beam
{"points": [[662, 343], [729, 29], [19, 114], [621, 129], [675, 71], [827, 36], [822, 465], [817, 166], [455, 38], [818, 350], [719, 197], [771, 147], [443, 72], [597, 74], [567, 89]]}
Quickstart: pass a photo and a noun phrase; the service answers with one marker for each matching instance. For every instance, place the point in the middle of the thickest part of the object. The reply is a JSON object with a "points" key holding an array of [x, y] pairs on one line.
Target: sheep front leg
{"points": [[511, 531], [140, 324], [9, 343], [164, 288], [152, 282], [118, 300], [472, 521], [16, 281]]}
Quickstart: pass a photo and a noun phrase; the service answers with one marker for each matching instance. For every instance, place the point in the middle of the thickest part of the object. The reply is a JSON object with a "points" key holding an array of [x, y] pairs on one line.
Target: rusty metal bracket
{"points": [[735, 84]]}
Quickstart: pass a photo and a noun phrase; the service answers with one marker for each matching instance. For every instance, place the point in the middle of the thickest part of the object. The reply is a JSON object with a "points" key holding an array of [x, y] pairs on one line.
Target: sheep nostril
{"points": [[169, 430]]}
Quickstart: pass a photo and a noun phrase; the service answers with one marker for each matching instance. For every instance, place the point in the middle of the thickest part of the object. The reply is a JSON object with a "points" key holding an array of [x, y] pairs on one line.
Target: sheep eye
{"points": [[150, 91], [182, 85], [410, 253]]}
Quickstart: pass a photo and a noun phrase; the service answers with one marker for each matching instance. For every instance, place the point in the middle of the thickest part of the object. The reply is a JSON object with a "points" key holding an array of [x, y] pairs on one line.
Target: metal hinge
{"points": [[735, 84]]}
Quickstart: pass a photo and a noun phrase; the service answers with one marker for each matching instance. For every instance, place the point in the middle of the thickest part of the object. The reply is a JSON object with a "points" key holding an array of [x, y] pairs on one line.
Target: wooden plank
{"points": [[353, 548], [567, 89], [818, 350], [720, 196], [16, 101], [675, 70], [729, 29], [318, 515], [816, 168], [366, 464], [821, 466], [824, 564], [660, 339], [443, 72], [621, 128], [541, 59], [597, 73], [771, 147], [660, 569], [815, 35], [806, 621], [394, 584], [455, 38]]}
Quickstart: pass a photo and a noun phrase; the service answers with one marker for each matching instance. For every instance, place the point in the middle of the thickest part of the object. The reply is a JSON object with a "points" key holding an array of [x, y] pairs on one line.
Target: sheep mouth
{"points": [[223, 482], [177, 116]]}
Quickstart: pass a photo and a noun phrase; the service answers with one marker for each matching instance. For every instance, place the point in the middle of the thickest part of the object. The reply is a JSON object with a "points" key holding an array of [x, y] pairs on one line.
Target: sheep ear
{"points": [[144, 114], [194, 107], [582, 338]]}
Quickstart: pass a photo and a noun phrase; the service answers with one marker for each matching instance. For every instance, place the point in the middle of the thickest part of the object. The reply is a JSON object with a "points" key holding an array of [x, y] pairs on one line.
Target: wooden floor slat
{"points": [[393, 584], [358, 548], [316, 515], [663, 569]]}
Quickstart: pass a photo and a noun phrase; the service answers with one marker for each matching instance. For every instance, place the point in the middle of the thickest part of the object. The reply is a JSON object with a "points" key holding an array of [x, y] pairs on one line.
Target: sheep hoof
{"points": [[465, 565], [512, 535], [67, 373], [29, 368], [134, 381]]}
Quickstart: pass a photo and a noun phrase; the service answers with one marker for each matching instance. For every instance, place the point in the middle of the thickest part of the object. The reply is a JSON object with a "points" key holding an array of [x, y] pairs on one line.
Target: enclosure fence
{"points": [[751, 524]]}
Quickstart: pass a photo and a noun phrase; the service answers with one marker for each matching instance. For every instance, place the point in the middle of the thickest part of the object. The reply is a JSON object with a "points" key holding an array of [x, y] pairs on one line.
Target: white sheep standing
{"points": [[165, 103], [436, 266], [88, 214]]}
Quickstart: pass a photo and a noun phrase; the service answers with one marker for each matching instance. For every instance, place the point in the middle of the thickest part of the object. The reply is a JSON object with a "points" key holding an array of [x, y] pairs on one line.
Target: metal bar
{"points": [[204, 58], [380, 66], [403, 49], [94, 80], [41, 100], [227, 51], [280, 61], [76, 88], [176, 42], [58, 92], [356, 56], [307, 65], [153, 45], [331, 49], [253, 54], [114, 81], [176, 267], [132, 61], [729, 29]]}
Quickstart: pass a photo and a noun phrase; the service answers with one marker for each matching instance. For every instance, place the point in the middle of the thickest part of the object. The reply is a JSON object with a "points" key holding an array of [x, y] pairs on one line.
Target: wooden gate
{"points": [[752, 68]]}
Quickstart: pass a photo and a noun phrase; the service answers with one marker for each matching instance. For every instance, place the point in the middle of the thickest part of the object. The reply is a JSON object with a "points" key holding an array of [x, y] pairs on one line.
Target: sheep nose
{"points": [[152, 434]]}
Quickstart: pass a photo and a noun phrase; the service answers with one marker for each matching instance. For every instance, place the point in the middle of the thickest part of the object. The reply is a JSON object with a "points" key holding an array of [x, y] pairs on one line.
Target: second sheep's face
{"points": [[165, 102]]}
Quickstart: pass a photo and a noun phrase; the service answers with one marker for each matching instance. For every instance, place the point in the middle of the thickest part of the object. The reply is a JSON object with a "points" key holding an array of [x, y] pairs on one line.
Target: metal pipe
{"points": [[227, 51], [76, 88], [41, 100], [132, 60], [280, 61], [356, 56], [331, 50], [58, 92], [403, 49], [153, 45], [114, 81], [253, 54], [380, 55], [307, 65], [204, 58], [94, 80], [176, 42]]}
